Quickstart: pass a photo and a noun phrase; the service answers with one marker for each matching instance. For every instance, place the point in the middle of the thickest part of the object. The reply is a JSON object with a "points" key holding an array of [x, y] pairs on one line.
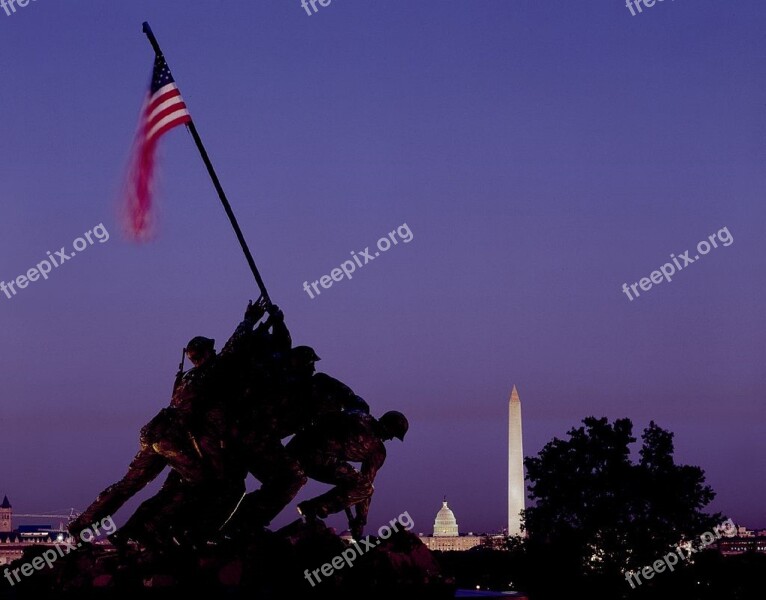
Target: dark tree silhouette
{"points": [[596, 512]]}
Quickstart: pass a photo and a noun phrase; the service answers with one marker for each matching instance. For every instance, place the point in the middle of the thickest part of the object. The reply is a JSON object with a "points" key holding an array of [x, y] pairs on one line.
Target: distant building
{"points": [[446, 536], [6, 516], [445, 524], [744, 541], [14, 541], [744, 532]]}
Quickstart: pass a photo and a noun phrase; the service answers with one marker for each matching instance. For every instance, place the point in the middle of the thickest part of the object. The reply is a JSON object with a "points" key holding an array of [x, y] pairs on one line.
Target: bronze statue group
{"points": [[228, 417]]}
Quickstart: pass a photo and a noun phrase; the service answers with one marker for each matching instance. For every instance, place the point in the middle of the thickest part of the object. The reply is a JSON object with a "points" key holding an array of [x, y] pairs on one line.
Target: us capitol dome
{"points": [[446, 536], [445, 523]]}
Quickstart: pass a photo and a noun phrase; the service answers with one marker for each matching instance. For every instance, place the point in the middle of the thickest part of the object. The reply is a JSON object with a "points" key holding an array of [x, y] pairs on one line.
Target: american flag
{"points": [[164, 109]]}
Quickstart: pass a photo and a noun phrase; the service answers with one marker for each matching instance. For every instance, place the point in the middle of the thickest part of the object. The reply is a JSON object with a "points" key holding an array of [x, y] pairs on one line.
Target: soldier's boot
{"points": [[357, 529], [356, 523]]}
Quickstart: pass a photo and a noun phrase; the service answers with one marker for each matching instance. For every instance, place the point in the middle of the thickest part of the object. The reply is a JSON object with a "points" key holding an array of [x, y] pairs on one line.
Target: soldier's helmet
{"points": [[395, 423], [199, 345], [304, 355]]}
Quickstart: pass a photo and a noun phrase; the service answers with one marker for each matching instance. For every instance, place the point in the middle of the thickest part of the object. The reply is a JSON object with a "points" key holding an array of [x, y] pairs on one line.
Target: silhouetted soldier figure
{"points": [[290, 399], [201, 493], [192, 437], [302, 396], [325, 450], [319, 393], [265, 415]]}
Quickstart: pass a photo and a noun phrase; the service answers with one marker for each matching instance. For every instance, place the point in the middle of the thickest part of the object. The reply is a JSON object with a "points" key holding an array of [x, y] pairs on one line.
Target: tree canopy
{"points": [[601, 512]]}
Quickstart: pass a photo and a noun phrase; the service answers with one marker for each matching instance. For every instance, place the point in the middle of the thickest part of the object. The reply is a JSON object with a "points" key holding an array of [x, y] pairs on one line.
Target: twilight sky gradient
{"points": [[542, 154]]}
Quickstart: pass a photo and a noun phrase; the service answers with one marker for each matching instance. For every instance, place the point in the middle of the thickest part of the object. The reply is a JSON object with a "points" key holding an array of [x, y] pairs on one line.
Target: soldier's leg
{"points": [[150, 525], [182, 513], [281, 478], [351, 487], [195, 501], [144, 467], [213, 497], [205, 509]]}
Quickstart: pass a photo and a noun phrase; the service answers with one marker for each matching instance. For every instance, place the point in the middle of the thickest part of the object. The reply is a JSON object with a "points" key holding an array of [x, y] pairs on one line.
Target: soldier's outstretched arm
{"points": [[238, 340], [280, 334], [145, 467]]}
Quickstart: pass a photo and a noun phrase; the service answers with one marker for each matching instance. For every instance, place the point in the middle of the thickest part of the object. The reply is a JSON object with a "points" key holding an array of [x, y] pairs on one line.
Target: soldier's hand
{"points": [[254, 312], [275, 313]]}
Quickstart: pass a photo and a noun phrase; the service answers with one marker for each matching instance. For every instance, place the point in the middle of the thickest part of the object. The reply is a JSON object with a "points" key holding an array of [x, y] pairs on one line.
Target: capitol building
{"points": [[446, 536]]}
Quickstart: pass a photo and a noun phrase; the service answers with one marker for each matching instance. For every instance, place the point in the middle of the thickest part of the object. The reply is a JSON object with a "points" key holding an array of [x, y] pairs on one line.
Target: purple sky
{"points": [[542, 154]]}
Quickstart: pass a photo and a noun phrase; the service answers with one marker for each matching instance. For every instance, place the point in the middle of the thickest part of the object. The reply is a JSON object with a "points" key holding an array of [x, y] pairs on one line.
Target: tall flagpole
{"points": [[216, 182]]}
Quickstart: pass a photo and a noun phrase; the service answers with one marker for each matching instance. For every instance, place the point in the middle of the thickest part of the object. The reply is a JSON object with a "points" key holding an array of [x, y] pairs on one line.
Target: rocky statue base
{"points": [[298, 561]]}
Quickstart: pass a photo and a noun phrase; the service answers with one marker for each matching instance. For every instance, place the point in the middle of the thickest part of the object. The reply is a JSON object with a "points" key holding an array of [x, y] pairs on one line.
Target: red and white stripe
{"points": [[165, 110]]}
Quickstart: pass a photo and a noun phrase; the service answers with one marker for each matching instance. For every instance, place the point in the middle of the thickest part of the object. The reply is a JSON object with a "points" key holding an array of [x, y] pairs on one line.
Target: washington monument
{"points": [[515, 465]]}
